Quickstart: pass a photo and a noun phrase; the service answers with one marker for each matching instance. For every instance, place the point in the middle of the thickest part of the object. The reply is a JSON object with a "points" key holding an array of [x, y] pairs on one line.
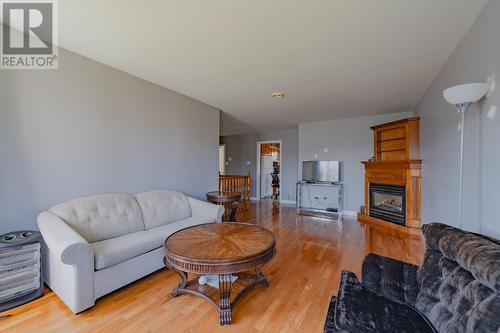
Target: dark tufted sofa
{"points": [[457, 289]]}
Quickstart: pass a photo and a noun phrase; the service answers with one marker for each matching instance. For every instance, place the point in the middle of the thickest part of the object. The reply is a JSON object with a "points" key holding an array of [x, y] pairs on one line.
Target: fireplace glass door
{"points": [[387, 202]]}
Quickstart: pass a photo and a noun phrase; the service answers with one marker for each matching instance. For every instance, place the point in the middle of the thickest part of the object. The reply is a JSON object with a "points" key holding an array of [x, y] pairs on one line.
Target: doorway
{"points": [[269, 170], [222, 159]]}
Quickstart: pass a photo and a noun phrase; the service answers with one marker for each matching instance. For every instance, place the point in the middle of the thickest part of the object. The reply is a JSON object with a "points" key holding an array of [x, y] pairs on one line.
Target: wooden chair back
{"points": [[236, 183]]}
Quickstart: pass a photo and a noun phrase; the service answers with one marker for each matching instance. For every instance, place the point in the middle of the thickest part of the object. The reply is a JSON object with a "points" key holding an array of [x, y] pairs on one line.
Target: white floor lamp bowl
{"points": [[462, 97]]}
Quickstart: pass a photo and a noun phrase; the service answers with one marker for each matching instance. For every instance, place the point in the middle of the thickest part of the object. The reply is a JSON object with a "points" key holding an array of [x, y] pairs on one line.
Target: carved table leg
{"points": [[262, 279], [225, 299], [234, 210], [183, 276], [232, 215]]}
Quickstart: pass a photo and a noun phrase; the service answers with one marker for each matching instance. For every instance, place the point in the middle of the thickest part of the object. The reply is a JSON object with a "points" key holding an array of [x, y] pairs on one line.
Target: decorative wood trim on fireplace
{"points": [[396, 162], [397, 173]]}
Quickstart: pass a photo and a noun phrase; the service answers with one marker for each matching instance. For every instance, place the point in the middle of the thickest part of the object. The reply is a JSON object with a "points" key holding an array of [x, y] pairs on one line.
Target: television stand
{"points": [[320, 199]]}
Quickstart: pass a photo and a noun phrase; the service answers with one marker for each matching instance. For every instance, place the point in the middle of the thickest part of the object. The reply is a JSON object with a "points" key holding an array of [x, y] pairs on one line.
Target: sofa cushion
{"points": [[101, 217], [163, 207], [161, 233], [459, 281], [113, 251], [361, 309], [477, 254], [391, 278]]}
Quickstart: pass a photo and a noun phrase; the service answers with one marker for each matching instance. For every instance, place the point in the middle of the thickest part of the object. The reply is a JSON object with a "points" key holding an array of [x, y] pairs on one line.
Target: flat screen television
{"points": [[321, 171]]}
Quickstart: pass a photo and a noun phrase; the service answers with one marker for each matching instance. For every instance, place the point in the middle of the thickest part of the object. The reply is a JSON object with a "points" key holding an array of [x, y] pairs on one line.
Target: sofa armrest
{"points": [[329, 326], [391, 278], [69, 261], [61, 239], [205, 209]]}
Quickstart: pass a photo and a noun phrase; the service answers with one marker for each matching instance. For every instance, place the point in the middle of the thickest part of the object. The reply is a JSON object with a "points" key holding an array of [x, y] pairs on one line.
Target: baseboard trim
{"points": [[290, 202], [350, 213]]}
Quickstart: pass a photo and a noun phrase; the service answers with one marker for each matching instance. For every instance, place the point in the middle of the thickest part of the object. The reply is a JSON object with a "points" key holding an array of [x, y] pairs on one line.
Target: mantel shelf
{"points": [[392, 139]]}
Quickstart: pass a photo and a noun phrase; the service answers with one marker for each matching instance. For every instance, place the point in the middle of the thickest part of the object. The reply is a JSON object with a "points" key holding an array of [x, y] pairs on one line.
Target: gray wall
{"points": [[347, 140], [87, 128], [477, 57], [243, 148], [240, 149]]}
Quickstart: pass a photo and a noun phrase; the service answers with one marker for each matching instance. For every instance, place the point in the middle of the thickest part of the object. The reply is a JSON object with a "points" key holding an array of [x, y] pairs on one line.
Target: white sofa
{"points": [[100, 243]]}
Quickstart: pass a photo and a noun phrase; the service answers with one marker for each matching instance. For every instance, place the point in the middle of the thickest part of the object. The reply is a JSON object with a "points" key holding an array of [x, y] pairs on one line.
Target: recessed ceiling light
{"points": [[278, 94]]}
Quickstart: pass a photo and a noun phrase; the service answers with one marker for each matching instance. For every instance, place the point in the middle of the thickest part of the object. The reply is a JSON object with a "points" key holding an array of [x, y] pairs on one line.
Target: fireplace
{"points": [[393, 178], [388, 202]]}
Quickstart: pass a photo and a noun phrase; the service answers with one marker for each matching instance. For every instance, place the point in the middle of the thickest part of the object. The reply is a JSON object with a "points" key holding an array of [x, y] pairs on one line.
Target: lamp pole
{"points": [[462, 97], [461, 108]]}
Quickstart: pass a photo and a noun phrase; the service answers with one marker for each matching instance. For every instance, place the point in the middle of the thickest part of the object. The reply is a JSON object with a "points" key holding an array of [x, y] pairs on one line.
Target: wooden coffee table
{"points": [[223, 249]]}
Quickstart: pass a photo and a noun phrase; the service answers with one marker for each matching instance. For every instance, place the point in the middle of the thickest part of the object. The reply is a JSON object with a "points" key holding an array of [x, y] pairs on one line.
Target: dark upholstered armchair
{"points": [[457, 289]]}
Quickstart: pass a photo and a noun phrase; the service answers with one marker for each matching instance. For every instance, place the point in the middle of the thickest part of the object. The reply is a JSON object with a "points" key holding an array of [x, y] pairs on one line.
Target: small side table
{"points": [[229, 200]]}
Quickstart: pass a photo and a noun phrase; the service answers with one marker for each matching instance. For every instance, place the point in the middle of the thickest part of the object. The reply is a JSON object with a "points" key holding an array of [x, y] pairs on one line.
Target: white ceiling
{"points": [[333, 59]]}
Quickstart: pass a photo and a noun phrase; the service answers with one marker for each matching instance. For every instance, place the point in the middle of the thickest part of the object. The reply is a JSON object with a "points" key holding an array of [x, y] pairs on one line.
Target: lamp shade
{"points": [[465, 93]]}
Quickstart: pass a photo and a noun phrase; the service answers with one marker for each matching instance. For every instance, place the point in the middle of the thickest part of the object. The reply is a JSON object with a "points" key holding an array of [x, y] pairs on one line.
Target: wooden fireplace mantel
{"points": [[396, 162]]}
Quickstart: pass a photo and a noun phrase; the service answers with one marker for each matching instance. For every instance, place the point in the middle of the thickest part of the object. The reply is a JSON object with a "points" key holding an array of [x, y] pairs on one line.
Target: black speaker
{"points": [[21, 269]]}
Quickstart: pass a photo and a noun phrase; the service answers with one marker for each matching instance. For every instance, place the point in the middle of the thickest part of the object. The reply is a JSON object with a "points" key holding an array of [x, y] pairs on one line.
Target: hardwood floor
{"points": [[304, 274]]}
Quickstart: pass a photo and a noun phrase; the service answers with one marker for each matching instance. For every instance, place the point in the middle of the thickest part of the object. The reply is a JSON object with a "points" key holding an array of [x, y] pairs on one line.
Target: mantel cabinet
{"points": [[397, 141]]}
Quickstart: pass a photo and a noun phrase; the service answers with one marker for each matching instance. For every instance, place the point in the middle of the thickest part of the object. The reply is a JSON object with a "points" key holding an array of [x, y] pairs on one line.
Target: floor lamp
{"points": [[462, 97]]}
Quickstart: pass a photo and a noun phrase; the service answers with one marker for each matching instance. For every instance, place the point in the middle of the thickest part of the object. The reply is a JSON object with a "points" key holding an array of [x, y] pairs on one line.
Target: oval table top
{"points": [[222, 248], [223, 196]]}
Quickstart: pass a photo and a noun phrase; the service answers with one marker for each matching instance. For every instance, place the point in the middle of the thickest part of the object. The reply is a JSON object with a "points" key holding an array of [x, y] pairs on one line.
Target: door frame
{"points": [[257, 172], [222, 145]]}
